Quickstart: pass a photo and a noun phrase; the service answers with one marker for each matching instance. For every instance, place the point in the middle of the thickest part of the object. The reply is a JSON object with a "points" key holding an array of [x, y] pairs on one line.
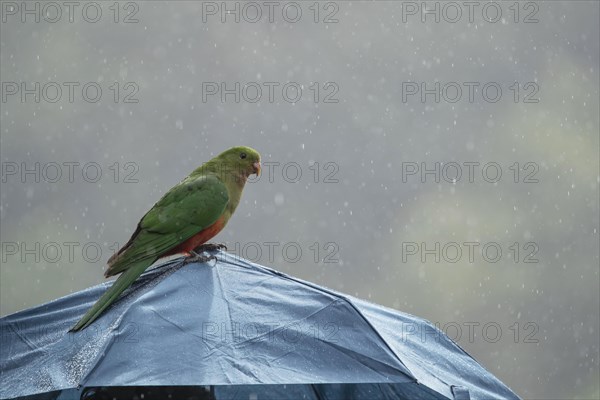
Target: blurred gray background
{"points": [[533, 324]]}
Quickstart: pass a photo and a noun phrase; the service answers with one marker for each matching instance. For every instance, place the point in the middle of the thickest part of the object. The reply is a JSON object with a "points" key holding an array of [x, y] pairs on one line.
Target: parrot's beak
{"points": [[256, 166]]}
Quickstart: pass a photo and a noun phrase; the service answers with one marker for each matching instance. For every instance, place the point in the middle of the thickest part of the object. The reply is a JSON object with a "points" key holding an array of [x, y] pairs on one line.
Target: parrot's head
{"points": [[243, 160]]}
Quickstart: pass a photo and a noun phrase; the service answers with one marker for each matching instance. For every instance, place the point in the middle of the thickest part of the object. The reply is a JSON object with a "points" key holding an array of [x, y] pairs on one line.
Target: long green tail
{"points": [[109, 297]]}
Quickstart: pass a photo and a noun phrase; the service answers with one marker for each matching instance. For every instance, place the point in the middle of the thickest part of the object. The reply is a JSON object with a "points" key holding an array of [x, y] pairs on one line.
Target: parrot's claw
{"points": [[199, 258], [208, 247], [197, 255]]}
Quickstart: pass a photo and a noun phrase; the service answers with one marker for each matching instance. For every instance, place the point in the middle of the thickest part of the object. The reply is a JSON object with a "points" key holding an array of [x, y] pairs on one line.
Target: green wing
{"points": [[191, 206], [188, 208]]}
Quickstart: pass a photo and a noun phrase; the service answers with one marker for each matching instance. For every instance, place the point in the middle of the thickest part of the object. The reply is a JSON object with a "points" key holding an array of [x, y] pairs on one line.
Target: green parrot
{"points": [[187, 216]]}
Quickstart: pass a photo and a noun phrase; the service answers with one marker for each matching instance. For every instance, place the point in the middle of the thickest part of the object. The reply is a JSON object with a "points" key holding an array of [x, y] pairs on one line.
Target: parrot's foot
{"points": [[208, 247], [199, 258]]}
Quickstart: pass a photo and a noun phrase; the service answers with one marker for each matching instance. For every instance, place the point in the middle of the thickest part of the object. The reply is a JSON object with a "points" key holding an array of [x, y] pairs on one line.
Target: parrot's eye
{"points": [[242, 155]]}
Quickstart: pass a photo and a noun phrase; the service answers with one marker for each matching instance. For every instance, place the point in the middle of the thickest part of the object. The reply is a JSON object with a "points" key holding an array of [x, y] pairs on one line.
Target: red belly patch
{"points": [[199, 238]]}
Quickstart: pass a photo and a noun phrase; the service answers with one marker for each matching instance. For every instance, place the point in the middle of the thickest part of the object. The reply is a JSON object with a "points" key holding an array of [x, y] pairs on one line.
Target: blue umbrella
{"points": [[234, 329]]}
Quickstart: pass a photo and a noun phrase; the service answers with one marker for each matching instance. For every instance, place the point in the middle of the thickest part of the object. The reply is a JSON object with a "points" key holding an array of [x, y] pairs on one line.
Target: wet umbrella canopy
{"points": [[234, 330]]}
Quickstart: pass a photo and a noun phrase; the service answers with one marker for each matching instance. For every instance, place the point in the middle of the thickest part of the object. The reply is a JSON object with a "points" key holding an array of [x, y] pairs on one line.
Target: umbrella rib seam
{"points": [[344, 298]]}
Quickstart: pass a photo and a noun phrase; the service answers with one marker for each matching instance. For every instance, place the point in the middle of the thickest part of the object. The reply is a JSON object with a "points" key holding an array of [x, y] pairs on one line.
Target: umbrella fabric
{"points": [[242, 329]]}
